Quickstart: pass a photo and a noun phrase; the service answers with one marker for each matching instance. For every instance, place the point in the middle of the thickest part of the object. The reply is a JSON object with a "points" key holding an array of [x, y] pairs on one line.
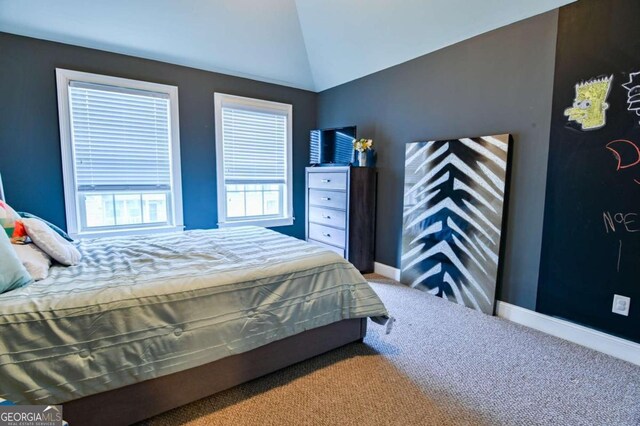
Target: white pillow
{"points": [[51, 243], [35, 261]]}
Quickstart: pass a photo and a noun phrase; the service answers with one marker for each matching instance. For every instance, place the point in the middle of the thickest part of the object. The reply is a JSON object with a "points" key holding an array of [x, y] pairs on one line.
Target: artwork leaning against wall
{"points": [[454, 198]]}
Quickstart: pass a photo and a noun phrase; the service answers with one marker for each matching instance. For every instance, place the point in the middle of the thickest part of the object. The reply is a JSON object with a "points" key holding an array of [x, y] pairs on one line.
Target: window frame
{"points": [[221, 99], [72, 196]]}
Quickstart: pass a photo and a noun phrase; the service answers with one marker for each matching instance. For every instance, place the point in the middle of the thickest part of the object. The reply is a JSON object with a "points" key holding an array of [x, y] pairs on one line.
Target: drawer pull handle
{"points": [[326, 234], [326, 216], [325, 199], [325, 180]]}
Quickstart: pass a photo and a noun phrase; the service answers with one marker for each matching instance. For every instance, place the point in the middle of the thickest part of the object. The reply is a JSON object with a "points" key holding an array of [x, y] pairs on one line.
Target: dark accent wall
{"points": [[591, 241], [30, 160], [499, 82]]}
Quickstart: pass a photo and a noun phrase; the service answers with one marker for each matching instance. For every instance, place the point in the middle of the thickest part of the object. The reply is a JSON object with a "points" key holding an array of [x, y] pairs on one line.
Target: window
{"points": [[120, 154], [253, 150]]}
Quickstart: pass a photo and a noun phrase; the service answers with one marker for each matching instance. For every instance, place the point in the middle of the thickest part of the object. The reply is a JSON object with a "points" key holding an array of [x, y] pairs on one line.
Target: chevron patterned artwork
{"points": [[454, 193]]}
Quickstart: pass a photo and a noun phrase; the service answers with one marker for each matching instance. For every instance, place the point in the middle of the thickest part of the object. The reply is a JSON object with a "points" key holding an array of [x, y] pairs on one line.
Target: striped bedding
{"points": [[142, 307]]}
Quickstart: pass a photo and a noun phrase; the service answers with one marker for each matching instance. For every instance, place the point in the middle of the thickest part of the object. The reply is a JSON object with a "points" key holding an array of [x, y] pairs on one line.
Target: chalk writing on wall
{"points": [[633, 92], [627, 156], [624, 223]]}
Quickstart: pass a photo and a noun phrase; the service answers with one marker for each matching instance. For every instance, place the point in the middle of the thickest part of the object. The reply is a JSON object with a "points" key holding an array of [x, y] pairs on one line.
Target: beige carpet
{"points": [[339, 389], [442, 365]]}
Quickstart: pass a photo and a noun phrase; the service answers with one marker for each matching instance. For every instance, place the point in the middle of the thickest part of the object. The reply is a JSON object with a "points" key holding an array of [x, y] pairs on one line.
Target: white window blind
{"points": [[254, 146], [121, 138], [253, 155], [120, 145]]}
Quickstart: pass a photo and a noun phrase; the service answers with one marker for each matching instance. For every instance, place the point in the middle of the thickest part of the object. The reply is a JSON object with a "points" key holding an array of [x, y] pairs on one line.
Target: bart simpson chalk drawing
{"points": [[633, 92], [590, 104]]}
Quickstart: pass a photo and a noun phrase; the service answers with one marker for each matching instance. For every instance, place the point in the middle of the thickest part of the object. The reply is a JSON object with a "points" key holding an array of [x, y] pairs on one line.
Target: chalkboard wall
{"points": [[591, 234]]}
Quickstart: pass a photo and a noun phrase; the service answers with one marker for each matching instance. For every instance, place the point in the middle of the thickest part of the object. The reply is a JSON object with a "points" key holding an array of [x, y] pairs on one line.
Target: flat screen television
{"points": [[332, 146]]}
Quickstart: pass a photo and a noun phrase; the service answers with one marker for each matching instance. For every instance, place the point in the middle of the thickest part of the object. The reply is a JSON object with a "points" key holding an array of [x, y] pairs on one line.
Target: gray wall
{"points": [[494, 83], [30, 159], [498, 82]]}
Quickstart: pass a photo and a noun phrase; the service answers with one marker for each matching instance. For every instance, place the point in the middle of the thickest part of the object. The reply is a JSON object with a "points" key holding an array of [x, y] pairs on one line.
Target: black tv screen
{"points": [[332, 146]]}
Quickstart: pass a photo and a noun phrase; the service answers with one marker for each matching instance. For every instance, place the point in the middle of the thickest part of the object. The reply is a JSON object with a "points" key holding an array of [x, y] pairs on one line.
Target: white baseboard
{"points": [[584, 336], [386, 271]]}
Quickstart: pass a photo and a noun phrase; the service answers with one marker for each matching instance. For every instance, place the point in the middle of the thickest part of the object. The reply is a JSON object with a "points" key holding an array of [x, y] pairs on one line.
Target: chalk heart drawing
{"points": [[627, 155], [633, 92], [590, 104], [454, 193]]}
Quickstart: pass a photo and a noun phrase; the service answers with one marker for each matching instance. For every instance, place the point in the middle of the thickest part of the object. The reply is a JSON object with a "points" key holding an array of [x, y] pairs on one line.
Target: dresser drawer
{"points": [[330, 180], [335, 218], [338, 250], [325, 234], [335, 199]]}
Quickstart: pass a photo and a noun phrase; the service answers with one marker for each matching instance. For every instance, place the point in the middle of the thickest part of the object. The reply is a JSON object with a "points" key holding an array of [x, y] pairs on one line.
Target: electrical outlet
{"points": [[621, 305]]}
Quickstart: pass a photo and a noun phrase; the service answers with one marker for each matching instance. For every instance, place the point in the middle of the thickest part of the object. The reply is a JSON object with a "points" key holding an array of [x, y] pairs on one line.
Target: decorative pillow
{"points": [[51, 243], [12, 273], [12, 224], [34, 260], [51, 225]]}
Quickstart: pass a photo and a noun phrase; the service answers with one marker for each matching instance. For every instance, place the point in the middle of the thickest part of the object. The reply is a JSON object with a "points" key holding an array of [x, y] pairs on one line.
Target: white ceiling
{"points": [[308, 44]]}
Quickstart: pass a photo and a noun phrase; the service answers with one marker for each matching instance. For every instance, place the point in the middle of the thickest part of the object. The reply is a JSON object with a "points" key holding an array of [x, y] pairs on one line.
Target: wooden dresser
{"points": [[341, 212]]}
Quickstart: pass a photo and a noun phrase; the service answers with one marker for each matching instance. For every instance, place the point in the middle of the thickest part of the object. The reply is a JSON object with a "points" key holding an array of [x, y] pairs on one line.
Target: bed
{"points": [[148, 323]]}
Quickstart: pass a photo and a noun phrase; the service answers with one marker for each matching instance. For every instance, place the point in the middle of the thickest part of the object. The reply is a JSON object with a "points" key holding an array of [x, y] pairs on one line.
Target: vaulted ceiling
{"points": [[308, 44]]}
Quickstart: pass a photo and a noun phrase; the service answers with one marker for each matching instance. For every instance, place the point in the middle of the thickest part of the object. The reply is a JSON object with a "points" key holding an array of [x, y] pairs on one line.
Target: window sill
{"points": [[265, 223], [125, 232]]}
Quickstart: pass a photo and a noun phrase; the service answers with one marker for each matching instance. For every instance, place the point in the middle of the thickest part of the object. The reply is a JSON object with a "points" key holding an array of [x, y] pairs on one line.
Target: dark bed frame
{"points": [[140, 401]]}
